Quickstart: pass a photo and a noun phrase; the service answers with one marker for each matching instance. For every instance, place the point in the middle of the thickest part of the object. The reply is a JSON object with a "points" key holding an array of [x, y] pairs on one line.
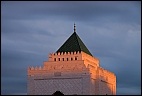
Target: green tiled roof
{"points": [[73, 43]]}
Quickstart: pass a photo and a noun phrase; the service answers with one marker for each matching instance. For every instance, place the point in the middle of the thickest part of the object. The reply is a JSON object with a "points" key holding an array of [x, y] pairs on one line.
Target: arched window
{"points": [[58, 93], [54, 59], [67, 59]]}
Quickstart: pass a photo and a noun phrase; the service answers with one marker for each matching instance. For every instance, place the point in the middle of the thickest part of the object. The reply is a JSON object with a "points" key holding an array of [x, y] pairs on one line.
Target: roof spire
{"points": [[73, 44], [74, 28]]}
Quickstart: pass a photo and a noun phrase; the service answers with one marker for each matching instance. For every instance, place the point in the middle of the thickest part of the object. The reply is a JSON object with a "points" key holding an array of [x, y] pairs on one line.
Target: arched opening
{"points": [[57, 93]]}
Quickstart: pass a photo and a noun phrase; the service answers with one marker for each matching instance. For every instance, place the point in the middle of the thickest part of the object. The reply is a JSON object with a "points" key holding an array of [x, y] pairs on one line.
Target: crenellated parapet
{"points": [[64, 53], [70, 56], [35, 68], [65, 56]]}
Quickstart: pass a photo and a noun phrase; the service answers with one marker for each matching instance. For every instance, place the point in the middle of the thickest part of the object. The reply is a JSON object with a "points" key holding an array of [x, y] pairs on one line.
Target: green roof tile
{"points": [[72, 44]]}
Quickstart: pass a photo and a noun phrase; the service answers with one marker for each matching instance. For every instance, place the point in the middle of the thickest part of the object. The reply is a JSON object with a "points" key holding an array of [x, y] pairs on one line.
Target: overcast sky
{"points": [[31, 30]]}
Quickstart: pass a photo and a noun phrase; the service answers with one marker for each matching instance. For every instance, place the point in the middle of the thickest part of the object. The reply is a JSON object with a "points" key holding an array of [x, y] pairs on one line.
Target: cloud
{"points": [[70, 10]]}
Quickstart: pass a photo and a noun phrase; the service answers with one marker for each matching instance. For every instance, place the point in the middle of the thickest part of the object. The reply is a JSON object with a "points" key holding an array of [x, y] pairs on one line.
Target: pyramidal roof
{"points": [[73, 43]]}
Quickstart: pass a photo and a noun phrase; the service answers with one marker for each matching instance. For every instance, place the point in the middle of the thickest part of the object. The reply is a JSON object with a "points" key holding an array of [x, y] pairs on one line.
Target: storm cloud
{"points": [[33, 29]]}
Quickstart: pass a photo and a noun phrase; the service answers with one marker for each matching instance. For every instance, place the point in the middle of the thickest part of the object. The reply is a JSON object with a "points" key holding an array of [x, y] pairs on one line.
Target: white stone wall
{"points": [[30, 86], [68, 85]]}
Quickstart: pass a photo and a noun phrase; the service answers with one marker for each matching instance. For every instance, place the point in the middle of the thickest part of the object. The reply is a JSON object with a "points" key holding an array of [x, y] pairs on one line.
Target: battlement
{"points": [[35, 68], [66, 56], [56, 60], [64, 53], [70, 56]]}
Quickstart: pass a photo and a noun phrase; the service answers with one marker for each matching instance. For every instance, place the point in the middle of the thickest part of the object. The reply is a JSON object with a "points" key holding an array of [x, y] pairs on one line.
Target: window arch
{"points": [[57, 93]]}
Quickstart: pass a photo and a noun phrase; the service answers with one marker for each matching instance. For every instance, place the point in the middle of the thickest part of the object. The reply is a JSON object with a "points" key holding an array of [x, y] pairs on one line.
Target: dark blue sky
{"points": [[33, 29]]}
